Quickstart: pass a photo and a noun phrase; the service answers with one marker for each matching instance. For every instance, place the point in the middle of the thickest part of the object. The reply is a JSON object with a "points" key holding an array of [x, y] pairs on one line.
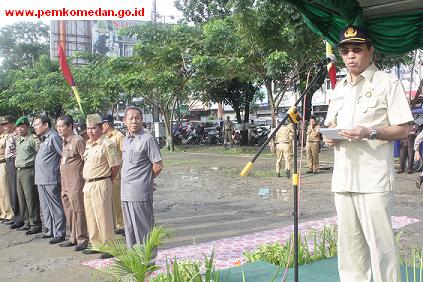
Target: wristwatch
{"points": [[373, 134]]}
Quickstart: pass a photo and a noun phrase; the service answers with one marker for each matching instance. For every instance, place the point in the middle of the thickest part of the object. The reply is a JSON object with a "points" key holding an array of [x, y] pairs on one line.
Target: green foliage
{"points": [[38, 89], [199, 11], [189, 271], [133, 264], [324, 246], [22, 44]]}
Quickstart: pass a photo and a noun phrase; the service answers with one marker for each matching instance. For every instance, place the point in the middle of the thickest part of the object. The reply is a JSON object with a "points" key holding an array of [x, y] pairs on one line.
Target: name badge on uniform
{"points": [[138, 146]]}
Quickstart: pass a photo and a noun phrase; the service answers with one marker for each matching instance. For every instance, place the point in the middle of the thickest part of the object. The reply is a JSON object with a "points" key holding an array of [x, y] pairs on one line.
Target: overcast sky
{"points": [[164, 8]]}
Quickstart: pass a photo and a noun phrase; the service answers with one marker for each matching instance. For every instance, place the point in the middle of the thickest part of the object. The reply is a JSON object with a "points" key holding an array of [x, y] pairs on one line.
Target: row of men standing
{"points": [[77, 179]]}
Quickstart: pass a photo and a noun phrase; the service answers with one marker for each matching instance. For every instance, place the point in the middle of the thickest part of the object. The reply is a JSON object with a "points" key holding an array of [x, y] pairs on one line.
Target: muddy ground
{"points": [[201, 197]]}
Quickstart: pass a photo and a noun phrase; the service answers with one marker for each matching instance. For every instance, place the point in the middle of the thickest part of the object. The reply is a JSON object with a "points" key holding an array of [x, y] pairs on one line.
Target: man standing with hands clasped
{"points": [[141, 164], [47, 178], [370, 108]]}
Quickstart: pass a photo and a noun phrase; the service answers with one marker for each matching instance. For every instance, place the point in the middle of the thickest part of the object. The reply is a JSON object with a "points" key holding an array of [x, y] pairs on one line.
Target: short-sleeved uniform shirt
{"points": [[10, 150], [285, 134], [99, 157], [140, 152], [313, 134], [47, 161], [376, 99], [228, 125], [72, 163], [116, 137], [3, 138], [26, 150]]}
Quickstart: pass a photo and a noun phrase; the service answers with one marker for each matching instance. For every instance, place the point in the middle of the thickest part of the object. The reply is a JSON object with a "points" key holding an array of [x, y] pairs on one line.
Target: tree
{"points": [[40, 89], [240, 96], [200, 11], [22, 44], [161, 70]]}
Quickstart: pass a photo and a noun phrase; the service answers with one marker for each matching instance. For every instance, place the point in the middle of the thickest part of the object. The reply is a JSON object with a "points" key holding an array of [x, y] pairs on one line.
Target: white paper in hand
{"points": [[332, 133]]}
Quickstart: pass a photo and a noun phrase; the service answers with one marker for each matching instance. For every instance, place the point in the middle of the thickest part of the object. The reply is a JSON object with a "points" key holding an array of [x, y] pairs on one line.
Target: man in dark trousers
{"points": [[141, 164], [29, 204], [47, 175], [407, 150]]}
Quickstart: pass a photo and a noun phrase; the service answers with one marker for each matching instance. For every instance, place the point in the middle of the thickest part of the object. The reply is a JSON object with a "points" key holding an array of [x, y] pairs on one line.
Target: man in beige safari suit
{"points": [[116, 137], [283, 146], [101, 166], [313, 142], [371, 109], [6, 213], [228, 126]]}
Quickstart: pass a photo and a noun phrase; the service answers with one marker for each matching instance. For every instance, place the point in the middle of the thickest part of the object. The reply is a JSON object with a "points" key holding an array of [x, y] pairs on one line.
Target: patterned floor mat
{"points": [[228, 252]]}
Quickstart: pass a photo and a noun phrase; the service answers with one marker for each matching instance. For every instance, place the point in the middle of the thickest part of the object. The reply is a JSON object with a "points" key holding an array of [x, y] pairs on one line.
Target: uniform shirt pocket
{"points": [[97, 156], [370, 106], [135, 157]]}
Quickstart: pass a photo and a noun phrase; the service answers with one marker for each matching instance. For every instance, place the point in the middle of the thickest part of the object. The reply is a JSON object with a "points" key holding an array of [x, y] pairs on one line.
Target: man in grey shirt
{"points": [[141, 164], [47, 175]]}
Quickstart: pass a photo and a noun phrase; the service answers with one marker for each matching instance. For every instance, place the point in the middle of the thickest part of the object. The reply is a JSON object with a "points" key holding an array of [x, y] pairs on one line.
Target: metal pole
{"points": [[313, 86], [295, 214], [154, 11]]}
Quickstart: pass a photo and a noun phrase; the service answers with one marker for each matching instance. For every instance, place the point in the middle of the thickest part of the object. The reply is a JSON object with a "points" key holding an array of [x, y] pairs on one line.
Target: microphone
{"points": [[327, 60]]}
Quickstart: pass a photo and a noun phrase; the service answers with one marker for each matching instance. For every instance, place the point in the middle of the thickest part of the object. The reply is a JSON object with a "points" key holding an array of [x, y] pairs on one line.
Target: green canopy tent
{"points": [[395, 26]]}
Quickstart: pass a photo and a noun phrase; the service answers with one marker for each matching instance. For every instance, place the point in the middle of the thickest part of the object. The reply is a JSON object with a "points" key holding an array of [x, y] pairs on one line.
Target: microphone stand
{"points": [[314, 85]]}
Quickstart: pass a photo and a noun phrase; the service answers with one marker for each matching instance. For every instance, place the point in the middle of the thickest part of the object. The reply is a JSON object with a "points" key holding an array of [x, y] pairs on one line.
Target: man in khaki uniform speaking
{"points": [[283, 146], [228, 126], [313, 144], [102, 163], [71, 165], [371, 109], [6, 213], [141, 164], [27, 146], [116, 137]]}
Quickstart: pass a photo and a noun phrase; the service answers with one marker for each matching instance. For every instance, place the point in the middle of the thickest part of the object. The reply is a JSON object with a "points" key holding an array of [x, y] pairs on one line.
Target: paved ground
{"points": [[201, 198]]}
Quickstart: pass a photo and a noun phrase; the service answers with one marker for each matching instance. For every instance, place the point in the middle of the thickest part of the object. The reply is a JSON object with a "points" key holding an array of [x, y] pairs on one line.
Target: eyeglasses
{"points": [[355, 50]]}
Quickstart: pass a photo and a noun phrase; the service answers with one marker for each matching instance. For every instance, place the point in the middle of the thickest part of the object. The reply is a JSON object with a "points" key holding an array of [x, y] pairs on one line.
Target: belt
{"points": [[313, 141], [96, 179], [281, 143], [2, 161], [28, 167]]}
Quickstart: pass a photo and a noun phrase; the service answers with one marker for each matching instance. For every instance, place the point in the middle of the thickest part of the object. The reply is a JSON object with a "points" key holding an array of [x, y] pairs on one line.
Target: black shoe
{"points": [[10, 222], [56, 240], [309, 171], [288, 173], [67, 244], [23, 228], [81, 247], [90, 252], [105, 256], [33, 231], [278, 174], [16, 225], [120, 231], [46, 236], [400, 171]]}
